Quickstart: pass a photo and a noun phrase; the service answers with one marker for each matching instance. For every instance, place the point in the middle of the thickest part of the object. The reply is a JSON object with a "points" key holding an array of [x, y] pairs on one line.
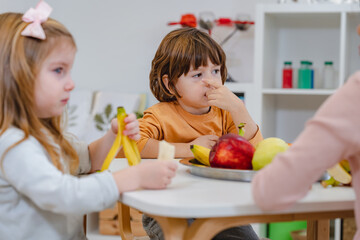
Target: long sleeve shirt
{"points": [[37, 201], [331, 135], [170, 122]]}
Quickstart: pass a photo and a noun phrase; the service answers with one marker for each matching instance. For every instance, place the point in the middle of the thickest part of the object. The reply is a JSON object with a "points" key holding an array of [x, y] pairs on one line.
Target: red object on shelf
{"points": [[229, 22], [187, 20], [287, 78]]}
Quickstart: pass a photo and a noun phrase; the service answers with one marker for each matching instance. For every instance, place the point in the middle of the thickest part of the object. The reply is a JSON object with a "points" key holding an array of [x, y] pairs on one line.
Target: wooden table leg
{"points": [[318, 229], [173, 228]]}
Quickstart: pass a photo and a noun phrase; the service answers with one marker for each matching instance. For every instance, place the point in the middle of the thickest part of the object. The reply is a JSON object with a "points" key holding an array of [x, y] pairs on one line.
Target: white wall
{"points": [[117, 39]]}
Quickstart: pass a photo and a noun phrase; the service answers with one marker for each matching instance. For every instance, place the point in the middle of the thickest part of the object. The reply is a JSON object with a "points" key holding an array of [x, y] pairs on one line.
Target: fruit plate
{"points": [[198, 169]]}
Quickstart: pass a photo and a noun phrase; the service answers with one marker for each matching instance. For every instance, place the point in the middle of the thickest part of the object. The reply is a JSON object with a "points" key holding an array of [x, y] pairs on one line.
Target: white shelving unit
{"points": [[295, 32]]}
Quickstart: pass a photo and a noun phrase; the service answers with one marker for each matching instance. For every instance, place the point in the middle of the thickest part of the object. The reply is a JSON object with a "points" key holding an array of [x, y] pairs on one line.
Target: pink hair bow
{"points": [[35, 17]]}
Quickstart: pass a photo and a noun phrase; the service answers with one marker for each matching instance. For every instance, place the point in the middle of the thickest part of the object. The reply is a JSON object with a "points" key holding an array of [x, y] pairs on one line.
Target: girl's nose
{"points": [[70, 84]]}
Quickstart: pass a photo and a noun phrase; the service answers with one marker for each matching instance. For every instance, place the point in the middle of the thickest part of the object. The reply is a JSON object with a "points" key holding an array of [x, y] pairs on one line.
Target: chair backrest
{"points": [[90, 114]]}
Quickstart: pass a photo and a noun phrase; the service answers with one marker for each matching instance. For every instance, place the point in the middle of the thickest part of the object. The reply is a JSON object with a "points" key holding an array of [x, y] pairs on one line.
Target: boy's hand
{"points": [[205, 141], [220, 96], [131, 126]]}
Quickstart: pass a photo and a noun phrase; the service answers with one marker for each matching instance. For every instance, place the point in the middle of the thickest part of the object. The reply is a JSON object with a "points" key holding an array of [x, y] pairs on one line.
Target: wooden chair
{"points": [[130, 223]]}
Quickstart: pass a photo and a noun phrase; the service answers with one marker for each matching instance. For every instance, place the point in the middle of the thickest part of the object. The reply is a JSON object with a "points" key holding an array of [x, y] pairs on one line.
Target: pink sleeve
{"points": [[333, 134]]}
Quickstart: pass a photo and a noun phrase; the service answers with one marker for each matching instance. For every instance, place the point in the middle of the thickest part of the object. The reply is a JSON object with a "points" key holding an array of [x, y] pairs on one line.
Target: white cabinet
{"points": [[295, 32]]}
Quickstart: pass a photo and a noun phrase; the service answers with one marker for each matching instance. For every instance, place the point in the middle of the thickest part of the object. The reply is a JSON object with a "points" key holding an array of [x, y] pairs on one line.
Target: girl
{"points": [[40, 198], [187, 77], [332, 135]]}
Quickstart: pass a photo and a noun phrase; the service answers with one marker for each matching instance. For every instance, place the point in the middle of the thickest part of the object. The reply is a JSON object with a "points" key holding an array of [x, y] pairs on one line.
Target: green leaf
{"points": [[139, 115], [99, 119], [108, 110], [99, 127]]}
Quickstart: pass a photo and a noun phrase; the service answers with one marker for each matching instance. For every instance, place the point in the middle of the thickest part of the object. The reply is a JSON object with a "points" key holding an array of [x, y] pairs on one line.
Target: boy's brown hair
{"points": [[178, 51]]}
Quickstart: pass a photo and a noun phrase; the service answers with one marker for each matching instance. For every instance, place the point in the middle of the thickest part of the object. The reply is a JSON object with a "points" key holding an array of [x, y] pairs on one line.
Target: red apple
{"points": [[232, 151]]}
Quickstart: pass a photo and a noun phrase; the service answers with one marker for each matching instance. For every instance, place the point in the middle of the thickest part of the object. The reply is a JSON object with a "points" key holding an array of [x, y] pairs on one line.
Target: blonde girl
{"points": [[40, 196]]}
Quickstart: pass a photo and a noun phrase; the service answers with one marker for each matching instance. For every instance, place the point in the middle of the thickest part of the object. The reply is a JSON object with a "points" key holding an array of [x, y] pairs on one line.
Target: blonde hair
{"points": [[178, 51], [21, 59]]}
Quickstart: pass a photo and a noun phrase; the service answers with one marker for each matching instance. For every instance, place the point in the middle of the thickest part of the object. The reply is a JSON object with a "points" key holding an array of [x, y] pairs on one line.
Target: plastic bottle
{"points": [[304, 73], [328, 76], [287, 75], [312, 75]]}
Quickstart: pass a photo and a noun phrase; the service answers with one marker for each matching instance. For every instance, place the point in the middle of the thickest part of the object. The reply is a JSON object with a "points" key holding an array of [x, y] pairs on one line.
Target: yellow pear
{"points": [[266, 150]]}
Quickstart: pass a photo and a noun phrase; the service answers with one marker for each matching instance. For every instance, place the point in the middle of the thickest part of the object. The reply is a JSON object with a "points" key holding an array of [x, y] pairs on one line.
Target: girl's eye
{"points": [[197, 75], [58, 70]]}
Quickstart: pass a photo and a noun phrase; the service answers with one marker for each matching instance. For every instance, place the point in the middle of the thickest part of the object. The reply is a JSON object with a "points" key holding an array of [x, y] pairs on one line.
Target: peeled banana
{"points": [[166, 151], [339, 173], [130, 148], [201, 154]]}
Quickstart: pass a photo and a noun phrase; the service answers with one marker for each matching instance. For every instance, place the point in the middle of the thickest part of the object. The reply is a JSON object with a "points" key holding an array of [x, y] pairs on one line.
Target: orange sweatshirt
{"points": [[170, 122]]}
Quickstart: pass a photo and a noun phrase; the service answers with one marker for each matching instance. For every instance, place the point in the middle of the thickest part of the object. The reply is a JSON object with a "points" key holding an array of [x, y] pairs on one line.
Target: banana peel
{"points": [[115, 146], [201, 154], [330, 182], [131, 150], [345, 164]]}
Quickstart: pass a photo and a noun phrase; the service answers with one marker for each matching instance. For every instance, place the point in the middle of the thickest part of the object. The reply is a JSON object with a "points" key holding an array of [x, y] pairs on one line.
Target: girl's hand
{"points": [[131, 128], [156, 174], [148, 175], [220, 96]]}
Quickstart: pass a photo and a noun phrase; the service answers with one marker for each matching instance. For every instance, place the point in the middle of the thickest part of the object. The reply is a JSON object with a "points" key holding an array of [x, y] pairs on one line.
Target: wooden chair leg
{"points": [[318, 229], [124, 222]]}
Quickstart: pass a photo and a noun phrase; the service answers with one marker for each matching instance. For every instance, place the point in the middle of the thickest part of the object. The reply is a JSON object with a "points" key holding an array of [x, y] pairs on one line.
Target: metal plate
{"points": [[198, 169]]}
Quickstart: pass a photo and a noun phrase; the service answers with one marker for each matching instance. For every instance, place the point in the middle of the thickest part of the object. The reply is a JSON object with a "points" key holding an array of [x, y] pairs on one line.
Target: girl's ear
{"points": [[165, 79]]}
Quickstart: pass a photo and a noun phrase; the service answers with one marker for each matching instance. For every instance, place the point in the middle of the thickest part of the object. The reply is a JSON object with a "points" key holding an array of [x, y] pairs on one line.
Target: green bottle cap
{"points": [[328, 63], [288, 63]]}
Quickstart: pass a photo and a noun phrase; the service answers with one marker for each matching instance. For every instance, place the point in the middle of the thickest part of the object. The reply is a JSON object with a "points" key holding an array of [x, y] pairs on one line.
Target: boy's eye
{"points": [[216, 71], [197, 75]]}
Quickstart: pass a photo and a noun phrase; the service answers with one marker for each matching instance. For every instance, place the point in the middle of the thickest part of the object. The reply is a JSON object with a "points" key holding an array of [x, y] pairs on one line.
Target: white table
{"points": [[220, 204]]}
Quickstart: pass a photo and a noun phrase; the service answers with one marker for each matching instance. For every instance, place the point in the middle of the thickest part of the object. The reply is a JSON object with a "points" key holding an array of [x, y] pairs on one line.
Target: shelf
{"points": [[239, 87], [296, 32], [278, 91], [308, 8]]}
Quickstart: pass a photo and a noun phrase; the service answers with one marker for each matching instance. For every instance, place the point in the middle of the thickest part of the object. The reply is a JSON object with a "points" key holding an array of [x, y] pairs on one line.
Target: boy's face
{"points": [[193, 90], [54, 83]]}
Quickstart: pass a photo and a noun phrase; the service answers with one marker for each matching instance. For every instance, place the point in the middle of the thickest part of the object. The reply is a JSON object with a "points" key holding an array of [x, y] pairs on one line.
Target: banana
{"points": [[116, 145], [339, 174], [130, 148], [345, 164], [201, 154], [166, 151], [330, 182]]}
